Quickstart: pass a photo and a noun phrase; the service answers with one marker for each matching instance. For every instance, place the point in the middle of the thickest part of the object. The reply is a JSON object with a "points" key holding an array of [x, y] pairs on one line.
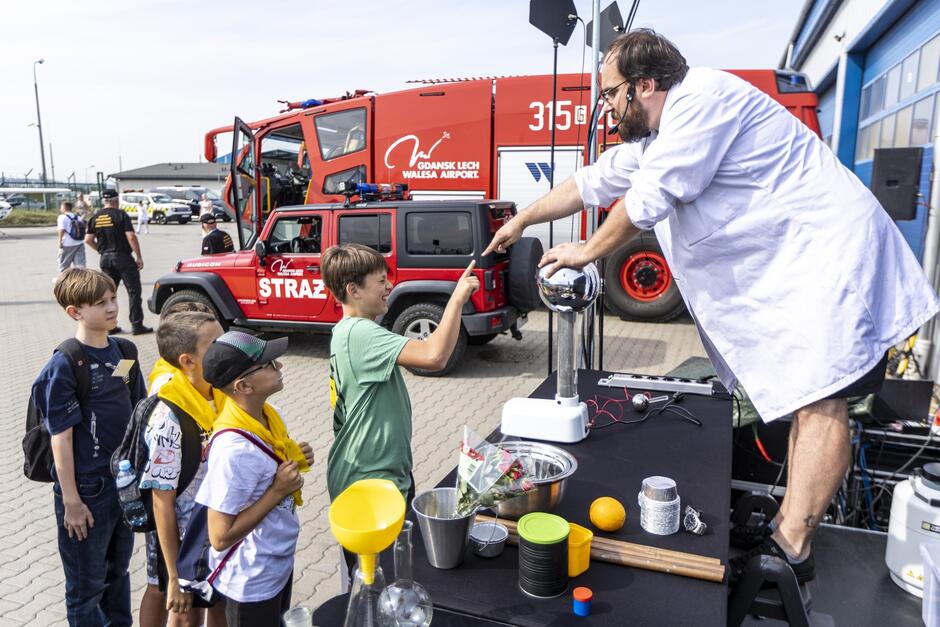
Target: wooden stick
{"points": [[694, 571], [640, 550]]}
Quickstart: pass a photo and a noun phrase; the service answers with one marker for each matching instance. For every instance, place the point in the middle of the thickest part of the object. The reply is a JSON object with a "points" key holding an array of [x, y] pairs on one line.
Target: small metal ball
{"points": [[640, 402]]}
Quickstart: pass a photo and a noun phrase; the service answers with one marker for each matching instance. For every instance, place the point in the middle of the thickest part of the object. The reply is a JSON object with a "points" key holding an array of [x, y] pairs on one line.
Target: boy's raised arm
{"points": [[434, 352]]}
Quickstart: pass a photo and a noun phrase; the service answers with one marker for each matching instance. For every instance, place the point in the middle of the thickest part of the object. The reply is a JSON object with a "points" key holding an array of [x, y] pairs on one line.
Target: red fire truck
{"points": [[462, 139]]}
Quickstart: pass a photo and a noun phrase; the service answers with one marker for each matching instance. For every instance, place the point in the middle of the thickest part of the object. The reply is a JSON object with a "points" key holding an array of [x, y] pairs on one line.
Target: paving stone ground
{"points": [[32, 324]]}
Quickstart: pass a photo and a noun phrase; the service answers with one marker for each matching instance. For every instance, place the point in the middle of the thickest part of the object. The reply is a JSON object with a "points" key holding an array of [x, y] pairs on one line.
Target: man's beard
{"points": [[635, 125]]}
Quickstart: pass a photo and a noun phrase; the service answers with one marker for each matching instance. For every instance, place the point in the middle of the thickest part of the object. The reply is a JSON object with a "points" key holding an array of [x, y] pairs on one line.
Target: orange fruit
{"points": [[607, 514]]}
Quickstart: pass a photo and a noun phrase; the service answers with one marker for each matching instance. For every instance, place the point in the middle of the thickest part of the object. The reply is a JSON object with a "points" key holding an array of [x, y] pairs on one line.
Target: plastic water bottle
{"points": [[135, 514]]}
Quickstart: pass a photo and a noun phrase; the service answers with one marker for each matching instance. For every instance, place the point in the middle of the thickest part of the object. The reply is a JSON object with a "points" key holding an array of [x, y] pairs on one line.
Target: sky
{"points": [[130, 83]]}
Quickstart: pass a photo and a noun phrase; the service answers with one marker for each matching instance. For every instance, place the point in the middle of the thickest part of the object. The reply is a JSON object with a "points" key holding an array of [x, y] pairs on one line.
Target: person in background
{"points": [[111, 234], [214, 240], [71, 228], [143, 218], [205, 206], [82, 207]]}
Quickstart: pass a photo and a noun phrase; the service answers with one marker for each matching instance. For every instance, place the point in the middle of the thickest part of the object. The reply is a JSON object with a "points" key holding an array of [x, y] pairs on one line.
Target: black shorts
{"points": [[868, 383]]}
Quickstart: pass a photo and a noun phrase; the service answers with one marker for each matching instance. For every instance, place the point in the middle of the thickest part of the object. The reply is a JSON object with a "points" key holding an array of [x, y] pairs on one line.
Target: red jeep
{"points": [[273, 283]]}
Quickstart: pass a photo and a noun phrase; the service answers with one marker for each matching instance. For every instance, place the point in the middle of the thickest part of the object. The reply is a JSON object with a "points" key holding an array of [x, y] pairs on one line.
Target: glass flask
{"points": [[363, 608], [404, 602]]}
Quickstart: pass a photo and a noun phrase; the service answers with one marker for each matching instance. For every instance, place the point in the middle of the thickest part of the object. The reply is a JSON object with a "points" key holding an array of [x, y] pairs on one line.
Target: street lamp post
{"points": [[42, 149], [86, 173]]}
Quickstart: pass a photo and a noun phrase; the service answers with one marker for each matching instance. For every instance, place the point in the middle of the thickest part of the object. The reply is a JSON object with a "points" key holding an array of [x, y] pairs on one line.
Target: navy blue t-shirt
{"points": [[98, 433]]}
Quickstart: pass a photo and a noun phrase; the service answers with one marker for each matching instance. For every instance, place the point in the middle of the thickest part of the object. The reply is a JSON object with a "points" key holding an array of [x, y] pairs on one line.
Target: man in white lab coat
{"points": [[797, 279]]}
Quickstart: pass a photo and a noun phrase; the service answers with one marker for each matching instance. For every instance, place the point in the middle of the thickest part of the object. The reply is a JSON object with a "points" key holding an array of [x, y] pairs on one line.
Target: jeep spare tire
{"points": [[521, 290], [638, 284], [417, 322]]}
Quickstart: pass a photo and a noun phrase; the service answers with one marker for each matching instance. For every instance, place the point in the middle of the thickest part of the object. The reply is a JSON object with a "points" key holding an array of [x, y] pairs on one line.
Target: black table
{"points": [[613, 462]]}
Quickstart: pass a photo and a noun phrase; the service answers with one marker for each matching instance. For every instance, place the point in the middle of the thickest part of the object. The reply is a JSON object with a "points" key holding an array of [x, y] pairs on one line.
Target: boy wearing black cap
{"points": [[214, 241], [253, 481], [111, 234]]}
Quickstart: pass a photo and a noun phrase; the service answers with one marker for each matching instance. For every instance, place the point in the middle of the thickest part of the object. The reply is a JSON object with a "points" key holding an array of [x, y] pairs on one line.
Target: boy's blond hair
{"points": [[81, 286], [349, 263], [179, 333]]}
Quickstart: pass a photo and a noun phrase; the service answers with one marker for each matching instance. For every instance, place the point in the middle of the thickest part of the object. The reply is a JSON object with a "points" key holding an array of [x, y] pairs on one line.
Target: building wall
{"points": [[212, 184], [900, 101], [851, 19], [875, 39]]}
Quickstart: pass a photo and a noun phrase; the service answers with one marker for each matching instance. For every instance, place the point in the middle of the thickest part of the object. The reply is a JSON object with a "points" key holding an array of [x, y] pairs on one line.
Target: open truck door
{"points": [[243, 184]]}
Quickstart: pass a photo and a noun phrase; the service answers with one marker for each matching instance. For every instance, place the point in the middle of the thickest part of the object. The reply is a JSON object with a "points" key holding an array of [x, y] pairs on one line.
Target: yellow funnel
{"points": [[366, 518]]}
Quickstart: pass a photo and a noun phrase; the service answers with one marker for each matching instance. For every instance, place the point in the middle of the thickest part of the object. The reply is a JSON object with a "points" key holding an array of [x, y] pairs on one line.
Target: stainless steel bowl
{"points": [[549, 467]]}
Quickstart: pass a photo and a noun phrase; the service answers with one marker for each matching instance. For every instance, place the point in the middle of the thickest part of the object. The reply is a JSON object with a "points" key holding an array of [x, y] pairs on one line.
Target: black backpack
{"points": [[37, 443], [76, 228], [134, 448]]}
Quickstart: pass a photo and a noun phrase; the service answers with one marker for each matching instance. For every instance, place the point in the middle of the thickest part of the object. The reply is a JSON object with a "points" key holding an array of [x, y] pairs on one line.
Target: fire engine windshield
{"points": [[341, 133]]}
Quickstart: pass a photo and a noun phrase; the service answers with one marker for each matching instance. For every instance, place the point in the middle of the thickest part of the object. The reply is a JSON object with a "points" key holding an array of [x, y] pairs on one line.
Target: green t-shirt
{"points": [[371, 408]]}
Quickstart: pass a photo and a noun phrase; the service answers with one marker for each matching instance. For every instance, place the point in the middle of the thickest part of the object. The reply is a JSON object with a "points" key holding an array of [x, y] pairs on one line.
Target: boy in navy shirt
{"points": [[94, 543]]}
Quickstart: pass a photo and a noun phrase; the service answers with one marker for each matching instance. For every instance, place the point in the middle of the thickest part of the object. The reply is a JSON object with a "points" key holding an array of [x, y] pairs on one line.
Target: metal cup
{"points": [[445, 534]]}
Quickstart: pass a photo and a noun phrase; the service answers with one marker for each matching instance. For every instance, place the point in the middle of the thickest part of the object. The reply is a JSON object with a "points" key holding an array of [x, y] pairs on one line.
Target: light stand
{"points": [[556, 19]]}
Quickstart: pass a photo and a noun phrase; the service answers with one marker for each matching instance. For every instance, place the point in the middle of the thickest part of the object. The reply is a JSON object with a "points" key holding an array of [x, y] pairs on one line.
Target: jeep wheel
{"points": [[417, 322], [480, 340], [159, 217], [194, 296], [638, 283]]}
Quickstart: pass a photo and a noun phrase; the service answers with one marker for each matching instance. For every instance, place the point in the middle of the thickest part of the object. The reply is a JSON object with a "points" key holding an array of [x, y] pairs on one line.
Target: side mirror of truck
{"points": [[260, 251]]}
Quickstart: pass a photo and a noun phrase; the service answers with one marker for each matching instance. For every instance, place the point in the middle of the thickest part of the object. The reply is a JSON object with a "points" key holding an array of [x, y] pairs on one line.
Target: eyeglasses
{"points": [[606, 94], [271, 364]]}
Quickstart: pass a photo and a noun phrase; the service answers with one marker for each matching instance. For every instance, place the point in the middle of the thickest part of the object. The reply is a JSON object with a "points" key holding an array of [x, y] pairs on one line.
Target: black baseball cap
{"points": [[109, 193], [234, 353], [207, 218]]}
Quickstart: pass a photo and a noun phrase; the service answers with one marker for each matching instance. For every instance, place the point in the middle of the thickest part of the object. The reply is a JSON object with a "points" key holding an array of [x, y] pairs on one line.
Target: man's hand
{"points": [[288, 479], [568, 255], [506, 236], [177, 600], [467, 284], [140, 263], [307, 450], [78, 520]]}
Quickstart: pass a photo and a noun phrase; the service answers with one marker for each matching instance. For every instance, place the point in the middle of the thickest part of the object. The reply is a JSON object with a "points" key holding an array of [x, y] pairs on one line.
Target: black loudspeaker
{"points": [[894, 177]]}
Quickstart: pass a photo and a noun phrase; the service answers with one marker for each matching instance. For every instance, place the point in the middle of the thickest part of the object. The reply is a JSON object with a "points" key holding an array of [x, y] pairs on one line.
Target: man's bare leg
{"points": [[818, 458]]}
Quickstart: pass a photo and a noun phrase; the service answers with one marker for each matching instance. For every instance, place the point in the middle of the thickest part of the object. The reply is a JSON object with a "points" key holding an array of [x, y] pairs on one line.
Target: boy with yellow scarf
{"points": [[182, 341], [253, 483]]}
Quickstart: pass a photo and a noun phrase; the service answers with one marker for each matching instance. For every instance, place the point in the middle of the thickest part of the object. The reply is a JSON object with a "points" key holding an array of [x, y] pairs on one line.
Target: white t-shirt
{"points": [[239, 473], [62, 223], [164, 438]]}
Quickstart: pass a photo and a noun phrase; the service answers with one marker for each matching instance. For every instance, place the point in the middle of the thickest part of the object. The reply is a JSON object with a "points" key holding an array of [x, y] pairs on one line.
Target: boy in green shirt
{"points": [[371, 408]]}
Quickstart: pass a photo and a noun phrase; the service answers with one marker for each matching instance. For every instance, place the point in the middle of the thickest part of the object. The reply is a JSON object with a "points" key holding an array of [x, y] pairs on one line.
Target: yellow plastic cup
{"points": [[579, 549]]}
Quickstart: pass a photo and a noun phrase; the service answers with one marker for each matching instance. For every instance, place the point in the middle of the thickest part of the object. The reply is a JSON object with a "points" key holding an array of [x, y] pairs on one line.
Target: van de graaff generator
{"points": [[564, 419]]}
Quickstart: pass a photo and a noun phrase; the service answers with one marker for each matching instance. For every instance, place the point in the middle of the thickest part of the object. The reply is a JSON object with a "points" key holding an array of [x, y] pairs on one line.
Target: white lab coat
{"points": [[796, 277]]}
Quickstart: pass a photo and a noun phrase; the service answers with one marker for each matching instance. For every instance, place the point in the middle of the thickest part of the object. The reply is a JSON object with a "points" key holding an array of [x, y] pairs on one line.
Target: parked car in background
{"points": [[192, 195], [160, 207]]}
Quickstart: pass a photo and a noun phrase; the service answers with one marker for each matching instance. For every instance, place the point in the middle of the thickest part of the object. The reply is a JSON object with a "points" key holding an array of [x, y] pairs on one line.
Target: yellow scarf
{"points": [[160, 368], [275, 436], [180, 391]]}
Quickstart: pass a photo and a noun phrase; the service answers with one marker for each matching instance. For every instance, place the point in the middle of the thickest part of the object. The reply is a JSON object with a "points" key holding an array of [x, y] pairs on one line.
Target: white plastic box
{"points": [[930, 610]]}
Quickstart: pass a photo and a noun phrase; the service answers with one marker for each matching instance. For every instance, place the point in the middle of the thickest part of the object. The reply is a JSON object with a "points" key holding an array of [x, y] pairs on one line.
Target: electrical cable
{"points": [[883, 488]]}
